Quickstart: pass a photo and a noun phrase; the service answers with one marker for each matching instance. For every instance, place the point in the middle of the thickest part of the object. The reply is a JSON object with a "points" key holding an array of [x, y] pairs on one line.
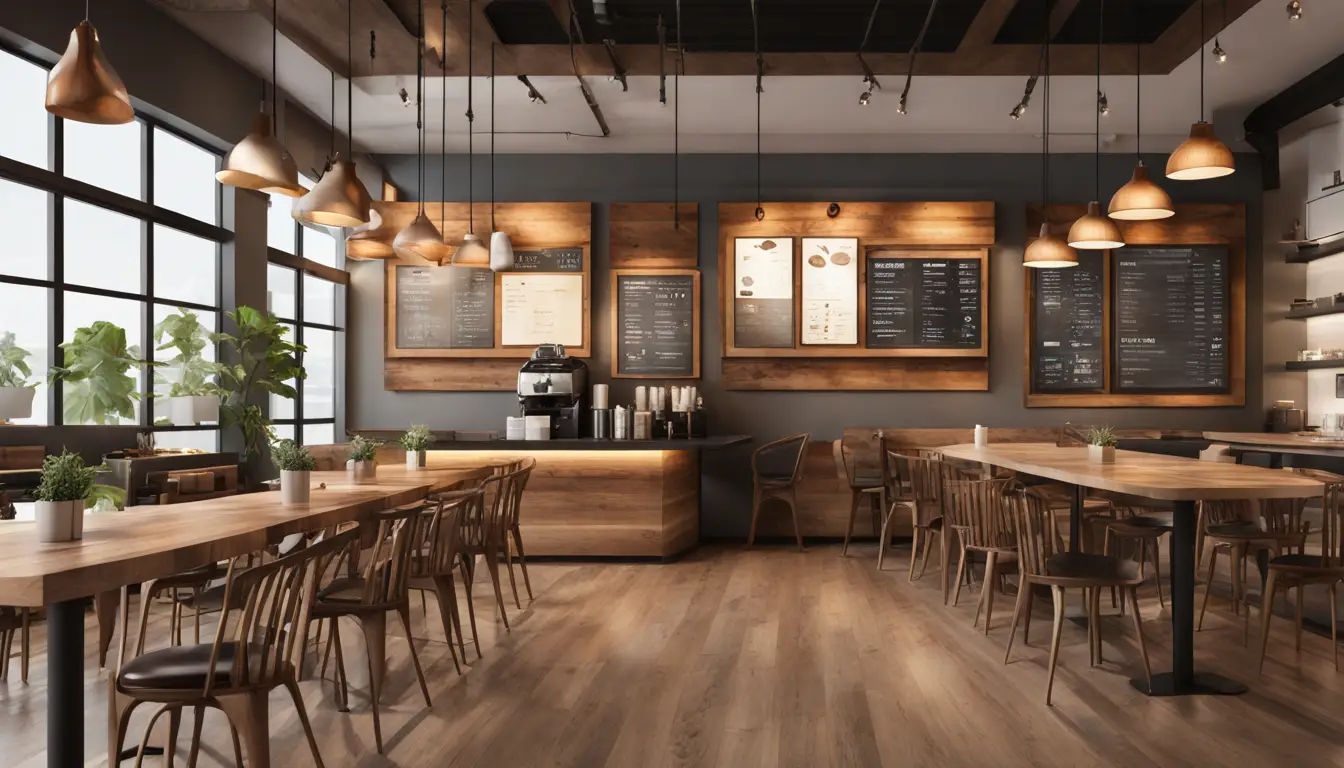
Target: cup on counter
{"points": [[981, 436], [602, 423]]}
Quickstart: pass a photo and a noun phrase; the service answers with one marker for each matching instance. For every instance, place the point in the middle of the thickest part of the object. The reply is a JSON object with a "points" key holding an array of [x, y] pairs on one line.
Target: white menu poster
{"points": [[830, 290], [541, 309]]}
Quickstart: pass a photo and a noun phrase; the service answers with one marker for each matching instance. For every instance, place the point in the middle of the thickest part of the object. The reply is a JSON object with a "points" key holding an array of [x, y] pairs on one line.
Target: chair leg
{"points": [[405, 613], [793, 510], [4, 654], [883, 537], [342, 684], [375, 639], [1334, 626], [756, 502], [442, 593], [293, 688], [961, 564], [987, 590], [945, 557], [1058, 594], [513, 585], [250, 715], [469, 582], [1157, 570], [1023, 589], [149, 728], [492, 562], [1106, 550], [197, 722], [522, 560], [24, 646], [1143, 644], [105, 608], [1026, 617], [914, 549], [1208, 587], [1299, 599], [1266, 613], [853, 512], [924, 557]]}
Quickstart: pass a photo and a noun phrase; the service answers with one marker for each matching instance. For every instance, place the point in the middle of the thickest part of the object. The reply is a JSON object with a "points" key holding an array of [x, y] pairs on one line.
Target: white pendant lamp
{"points": [[1095, 232], [1047, 251], [1202, 156], [420, 239], [501, 245], [83, 86], [470, 251]]}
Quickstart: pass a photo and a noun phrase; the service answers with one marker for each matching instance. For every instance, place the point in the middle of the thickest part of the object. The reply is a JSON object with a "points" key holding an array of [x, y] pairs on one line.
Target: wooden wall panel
{"points": [[642, 236], [530, 225], [443, 374], [874, 374]]}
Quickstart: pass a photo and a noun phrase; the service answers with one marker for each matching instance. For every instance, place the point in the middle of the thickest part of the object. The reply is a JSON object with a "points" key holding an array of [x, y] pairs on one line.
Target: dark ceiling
{"points": [[1125, 20]]}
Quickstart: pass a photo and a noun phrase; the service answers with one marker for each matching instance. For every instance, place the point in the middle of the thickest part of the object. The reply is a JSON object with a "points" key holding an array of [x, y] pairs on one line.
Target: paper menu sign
{"points": [[830, 272], [541, 309], [763, 268]]}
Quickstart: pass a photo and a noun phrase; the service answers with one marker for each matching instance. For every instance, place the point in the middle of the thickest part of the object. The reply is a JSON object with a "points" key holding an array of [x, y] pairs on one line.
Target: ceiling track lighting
{"points": [[83, 86], [617, 71], [760, 76], [1103, 104], [1047, 251], [1202, 156], [470, 251], [1294, 10], [662, 65], [1140, 199], [501, 245], [364, 231], [1220, 55], [260, 161], [870, 82], [678, 66], [420, 239], [1093, 231], [1021, 108], [533, 95], [914, 54]]}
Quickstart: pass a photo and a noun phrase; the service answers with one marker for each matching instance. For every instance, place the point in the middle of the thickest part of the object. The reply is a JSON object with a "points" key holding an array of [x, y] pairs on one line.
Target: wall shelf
{"points": [[1302, 314], [1306, 253], [1313, 365]]}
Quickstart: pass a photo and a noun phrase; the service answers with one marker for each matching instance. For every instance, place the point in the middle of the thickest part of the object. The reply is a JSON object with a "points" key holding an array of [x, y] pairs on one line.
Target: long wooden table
{"points": [[1172, 479], [145, 543]]}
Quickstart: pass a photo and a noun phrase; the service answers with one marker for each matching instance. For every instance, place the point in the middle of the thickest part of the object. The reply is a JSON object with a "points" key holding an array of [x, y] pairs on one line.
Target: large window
{"points": [[126, 232]]}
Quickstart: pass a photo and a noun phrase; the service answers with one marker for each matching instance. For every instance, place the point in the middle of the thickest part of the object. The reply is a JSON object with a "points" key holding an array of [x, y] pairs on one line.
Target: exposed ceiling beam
{"points": [[1181, 40], [1323, 87], [986, 24]]}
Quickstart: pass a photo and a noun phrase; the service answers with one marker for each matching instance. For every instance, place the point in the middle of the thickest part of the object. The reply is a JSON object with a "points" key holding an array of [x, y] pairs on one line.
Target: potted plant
{"points": [[266, 363], [16, 391], [415, 441], [1100, 444], [295, 463], [361, 461], [99, 386], [65, 485], [194, 396]]}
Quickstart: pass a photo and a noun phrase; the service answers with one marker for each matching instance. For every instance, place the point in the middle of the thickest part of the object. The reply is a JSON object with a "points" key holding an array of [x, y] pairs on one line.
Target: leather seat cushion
{"points": [[1306, 561], [1084, 565], [1237, 529], [182, 667]]}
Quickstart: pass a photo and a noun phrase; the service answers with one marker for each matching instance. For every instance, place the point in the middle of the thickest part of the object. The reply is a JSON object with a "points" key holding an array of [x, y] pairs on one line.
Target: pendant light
{"points": [[364, 231], [1047, 251], [501, 245], [1140, 199], [760, 74], [1095, 232], [339, 198], [260, 161], [420, 239], [1202, 156], [470, 250], [83, 86]]}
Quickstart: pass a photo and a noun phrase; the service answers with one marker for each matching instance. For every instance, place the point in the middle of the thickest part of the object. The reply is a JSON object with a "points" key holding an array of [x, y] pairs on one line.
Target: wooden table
{"points": [[1278, 443], [145, 543], [1172, 479]]}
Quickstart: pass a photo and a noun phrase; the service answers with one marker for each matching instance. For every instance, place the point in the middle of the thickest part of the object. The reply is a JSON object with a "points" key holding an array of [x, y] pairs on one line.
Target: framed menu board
{"points": [[925, 300], [830, 277], [655, 324], [541, 309], [763, 315], [1068, 326], [444, 308]]}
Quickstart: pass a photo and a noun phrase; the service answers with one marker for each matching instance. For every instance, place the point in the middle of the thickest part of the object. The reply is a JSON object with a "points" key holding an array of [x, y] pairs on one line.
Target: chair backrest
{"points": [[977, 508], [441, 540], [522, 473], [1226, 511], [785, 455], [390, 564], [842, 467], [1038, 536], [1332, 515], [489, 520], [920, 483]]}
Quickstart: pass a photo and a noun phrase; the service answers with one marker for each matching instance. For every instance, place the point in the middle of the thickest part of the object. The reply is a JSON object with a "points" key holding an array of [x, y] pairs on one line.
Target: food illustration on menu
{"points": [[923, 301], [1171, 319], [655, 325], [763, 292], [830, 290], [541, 309], [1069, 349]]}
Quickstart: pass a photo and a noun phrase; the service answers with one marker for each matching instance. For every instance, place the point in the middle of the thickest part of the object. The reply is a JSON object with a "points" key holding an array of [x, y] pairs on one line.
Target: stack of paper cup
{"points": [[515, 428], [599, 396], [641, 398], [538, 427]]}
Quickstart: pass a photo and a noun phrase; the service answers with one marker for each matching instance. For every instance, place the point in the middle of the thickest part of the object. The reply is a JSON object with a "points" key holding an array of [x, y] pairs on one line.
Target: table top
{"points": [[1280, 442], [1153, 476], [711, 443], [147, 542]]}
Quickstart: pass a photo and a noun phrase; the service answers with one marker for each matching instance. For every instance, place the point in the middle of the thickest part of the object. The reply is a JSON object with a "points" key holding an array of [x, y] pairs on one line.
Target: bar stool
{"points": [[978, 515], [776, 469], [864, 482]]}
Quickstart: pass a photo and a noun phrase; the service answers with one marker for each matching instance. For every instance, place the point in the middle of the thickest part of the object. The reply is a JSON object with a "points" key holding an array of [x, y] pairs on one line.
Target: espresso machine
{"points": [[556, 385]]}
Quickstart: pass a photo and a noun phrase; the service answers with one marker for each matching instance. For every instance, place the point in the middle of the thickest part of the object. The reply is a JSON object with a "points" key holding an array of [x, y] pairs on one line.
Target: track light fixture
{"points": [[870, 82], [662, 62], [1220, 55], [1294, 10], [533, 94], [914, 54], [760, 76], [1021, 108], [864, 98], [1103, 104]]}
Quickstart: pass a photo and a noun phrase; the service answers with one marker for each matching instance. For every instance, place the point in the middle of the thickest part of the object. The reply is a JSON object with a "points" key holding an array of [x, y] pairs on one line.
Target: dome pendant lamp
{"points": [[339, 198], [1095, 232], [83, 86], [470, 250], [1140, 199], [260, 161], [1202, 156], [501, 245], [1047, 251], [420, 239]]}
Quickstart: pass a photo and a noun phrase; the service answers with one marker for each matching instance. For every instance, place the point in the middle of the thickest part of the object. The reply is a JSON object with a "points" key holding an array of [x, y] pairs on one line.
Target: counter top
{"points": [[712, 443], [1278, 442]]}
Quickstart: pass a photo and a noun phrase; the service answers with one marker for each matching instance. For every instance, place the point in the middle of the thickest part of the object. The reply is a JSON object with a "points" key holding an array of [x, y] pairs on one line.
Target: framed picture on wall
{"points": [[763, 292], [830, 300]]}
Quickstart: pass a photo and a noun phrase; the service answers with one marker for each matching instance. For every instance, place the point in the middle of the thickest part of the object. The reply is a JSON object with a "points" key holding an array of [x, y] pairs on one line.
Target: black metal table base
{"points": [[1204, 684], [65, 684]]}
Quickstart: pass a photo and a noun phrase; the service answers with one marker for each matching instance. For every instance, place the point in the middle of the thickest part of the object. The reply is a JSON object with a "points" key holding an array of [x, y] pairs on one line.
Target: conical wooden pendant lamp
{"points": [[1202, 156], [260, 161], [420, 239], [470, 250], [339, 198], [83, 86], [1047, 251], [1095, 232], [1140, 199], [501, 245]]}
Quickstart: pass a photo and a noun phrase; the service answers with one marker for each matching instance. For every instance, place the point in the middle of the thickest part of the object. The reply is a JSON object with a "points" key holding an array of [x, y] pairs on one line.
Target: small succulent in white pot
{"points": [[65, 485], [1101, 443], [361, 461], [416, 440], [295, 464], [16, 388]]}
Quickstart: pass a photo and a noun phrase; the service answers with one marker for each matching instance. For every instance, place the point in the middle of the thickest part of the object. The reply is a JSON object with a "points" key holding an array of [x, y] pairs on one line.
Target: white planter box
{"points": [[415, 459], [1104, 454], [194, 409], [60, 520], [361, 470], [16, 402], [294, 487]]}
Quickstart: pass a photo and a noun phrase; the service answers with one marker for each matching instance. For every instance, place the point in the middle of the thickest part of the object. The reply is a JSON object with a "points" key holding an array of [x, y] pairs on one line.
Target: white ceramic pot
{"points": [[361, 470], [294, 486], [16, 402], [1104, 454], [194, 409], [56, 520], [415, 459]]}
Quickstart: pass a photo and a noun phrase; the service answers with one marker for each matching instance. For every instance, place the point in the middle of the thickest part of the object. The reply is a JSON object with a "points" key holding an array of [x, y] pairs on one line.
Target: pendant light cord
{"points": [[676, 128], [350, 80], [443, 133], [471, 118], [275, 79], [1101, 27], [760, 72], [420, 107], [1202, 43], [1045, 120], [1138, 90], [492, 137]]}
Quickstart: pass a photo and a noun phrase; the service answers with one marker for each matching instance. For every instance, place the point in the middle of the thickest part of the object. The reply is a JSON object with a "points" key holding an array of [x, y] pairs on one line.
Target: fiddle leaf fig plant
{"points": [[267, 363], [100, 387], [14, 370], [189, 339]]}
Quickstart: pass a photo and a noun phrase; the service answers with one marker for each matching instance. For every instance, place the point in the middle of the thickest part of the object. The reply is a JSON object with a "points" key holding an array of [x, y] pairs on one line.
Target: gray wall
{"points": [[1011, 181]]}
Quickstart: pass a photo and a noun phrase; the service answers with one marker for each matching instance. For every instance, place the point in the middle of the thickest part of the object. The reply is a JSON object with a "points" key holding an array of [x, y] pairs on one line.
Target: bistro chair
{"points": [[486, 528], [252, 654], [1297, 570], [1232, 528], [513, 547], [1042, 560], [917, 481], [14, 621], [1145, 531], [865, 483], [437, 556], [776, 469], [978, 515]]}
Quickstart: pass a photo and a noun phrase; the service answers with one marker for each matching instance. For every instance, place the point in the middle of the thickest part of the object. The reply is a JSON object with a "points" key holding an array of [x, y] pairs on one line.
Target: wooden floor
{"points": [[775, 658]]}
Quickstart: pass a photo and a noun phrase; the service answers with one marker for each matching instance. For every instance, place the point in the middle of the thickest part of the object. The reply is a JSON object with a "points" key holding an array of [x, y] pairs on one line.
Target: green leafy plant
{"points": [[189, 339], [1103, 436], [14, 370], [417, 438], [65, 478], [267, 363], [99, 385], [100, 492], [289, 456], [363, 449]]}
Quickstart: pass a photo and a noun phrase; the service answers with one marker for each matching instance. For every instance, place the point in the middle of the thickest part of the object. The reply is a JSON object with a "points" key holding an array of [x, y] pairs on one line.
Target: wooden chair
{"points": [[1232, 527], [864, 481], [1145, 531], [485, 531], [776, 469], [14, 621], [382, 588], [918, 481], [978, 514], [1042, 560], [437, 556], [1298, 570], [514, 546], [252, 654]]}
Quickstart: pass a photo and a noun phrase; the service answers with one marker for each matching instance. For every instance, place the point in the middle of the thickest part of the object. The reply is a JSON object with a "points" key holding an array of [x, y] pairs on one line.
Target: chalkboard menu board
{"points": [[1068, 317], [763, 292], [445, 308], [548, 260], [655, 324], [1171, 319], [924, 301]]}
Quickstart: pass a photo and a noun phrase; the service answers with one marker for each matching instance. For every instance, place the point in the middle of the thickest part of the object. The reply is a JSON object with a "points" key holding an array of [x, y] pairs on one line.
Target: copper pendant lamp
{"points": [[83, 86], [1202, 156], [260, 161], [1095, 232], [1140, 199], [420, 239], [1047, 251], [470, 251], [339, 198]]}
